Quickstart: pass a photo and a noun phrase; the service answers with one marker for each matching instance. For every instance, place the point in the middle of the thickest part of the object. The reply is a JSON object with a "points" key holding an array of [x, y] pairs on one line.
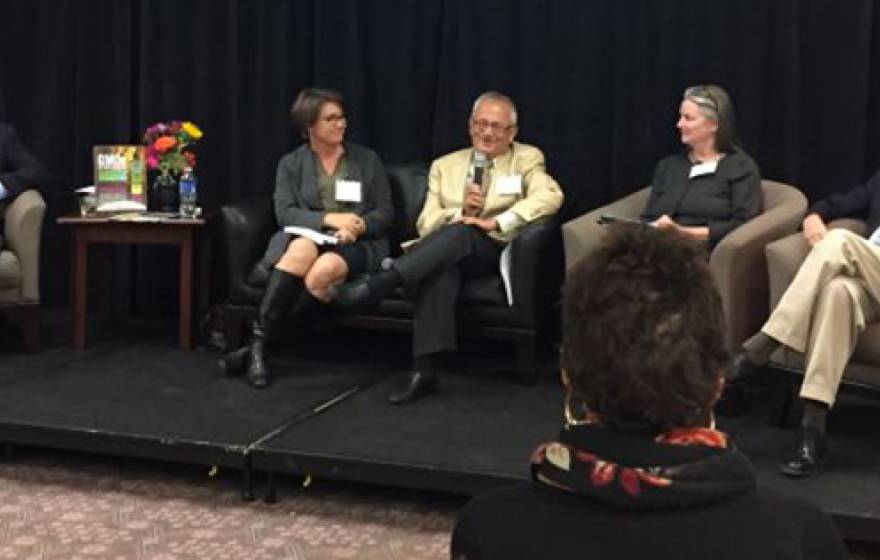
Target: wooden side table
{"points": [[142, 230]]}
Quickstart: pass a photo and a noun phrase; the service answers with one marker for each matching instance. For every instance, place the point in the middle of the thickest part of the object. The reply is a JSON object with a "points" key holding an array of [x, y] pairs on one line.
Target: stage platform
{"points": [[148, 399], [326, 416], [477, 433]]}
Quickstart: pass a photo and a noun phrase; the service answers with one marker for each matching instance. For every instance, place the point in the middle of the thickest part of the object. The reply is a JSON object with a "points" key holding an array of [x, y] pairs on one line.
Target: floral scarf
{"points": [[639, 468]]}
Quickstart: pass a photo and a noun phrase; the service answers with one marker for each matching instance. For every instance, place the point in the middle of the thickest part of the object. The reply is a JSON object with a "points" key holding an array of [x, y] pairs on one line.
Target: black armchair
{"points": [[536, 275]]}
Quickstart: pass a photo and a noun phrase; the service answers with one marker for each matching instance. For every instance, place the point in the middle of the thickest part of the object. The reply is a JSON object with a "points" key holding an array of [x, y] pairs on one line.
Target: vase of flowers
{"points": [[169, 148]]}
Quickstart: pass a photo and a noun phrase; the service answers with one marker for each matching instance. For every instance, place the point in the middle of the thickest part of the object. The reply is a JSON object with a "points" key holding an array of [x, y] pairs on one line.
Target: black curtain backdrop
{"points": [[598, 83]]}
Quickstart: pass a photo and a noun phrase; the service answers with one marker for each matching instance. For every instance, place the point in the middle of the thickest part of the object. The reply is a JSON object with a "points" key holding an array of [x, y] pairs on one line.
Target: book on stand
{"points": [[120, 173]]}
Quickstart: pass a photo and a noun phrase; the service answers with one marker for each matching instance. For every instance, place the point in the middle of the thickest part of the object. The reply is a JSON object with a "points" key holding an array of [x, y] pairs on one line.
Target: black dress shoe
{"points": [[419, 385], [741, 370], [810, 449], [354, 295], [233, 363]]}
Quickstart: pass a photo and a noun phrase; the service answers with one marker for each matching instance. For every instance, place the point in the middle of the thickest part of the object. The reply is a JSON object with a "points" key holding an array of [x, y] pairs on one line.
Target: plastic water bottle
{"points": [[189, 185]]}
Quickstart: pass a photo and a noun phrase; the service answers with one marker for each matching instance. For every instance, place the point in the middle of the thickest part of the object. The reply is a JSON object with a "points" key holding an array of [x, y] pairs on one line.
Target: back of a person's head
{"points": [[643, 330]]}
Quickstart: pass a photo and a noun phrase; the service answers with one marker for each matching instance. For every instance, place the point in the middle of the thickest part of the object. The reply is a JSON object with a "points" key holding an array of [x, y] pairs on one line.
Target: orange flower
{"points": [[170, 146], [164, 143]]}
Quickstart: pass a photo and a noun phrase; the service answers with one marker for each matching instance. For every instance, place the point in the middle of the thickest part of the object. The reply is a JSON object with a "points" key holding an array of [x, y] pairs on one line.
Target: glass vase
{"points": [[163, 195]]}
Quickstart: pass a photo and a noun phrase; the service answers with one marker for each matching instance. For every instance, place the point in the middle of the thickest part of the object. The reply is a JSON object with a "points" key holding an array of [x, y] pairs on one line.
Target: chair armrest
{"points": [[582, 235], [246, 227], [24, 222], [536, 270], [739, 265], [784, 258]]}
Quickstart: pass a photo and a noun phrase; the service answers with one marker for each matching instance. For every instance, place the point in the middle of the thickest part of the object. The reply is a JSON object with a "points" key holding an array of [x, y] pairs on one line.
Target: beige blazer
{"points": [[540, 194]]}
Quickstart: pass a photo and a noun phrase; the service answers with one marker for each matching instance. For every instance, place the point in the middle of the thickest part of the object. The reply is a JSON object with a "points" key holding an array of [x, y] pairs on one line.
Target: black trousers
{"points": [[436, 268]]}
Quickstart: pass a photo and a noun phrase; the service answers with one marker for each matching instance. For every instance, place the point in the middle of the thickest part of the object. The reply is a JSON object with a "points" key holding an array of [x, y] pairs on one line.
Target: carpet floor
{"points": [[63, 505], [77, 506]]}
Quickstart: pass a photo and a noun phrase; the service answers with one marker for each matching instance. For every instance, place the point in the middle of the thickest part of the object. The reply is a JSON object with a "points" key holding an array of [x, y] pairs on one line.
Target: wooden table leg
{"points": [[186, 268], [202, 275], [80, 285]]}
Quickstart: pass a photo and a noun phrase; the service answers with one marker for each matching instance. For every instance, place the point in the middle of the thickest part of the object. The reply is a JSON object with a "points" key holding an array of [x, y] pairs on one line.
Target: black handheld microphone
{"points": [[479, 172], [479, 167]]}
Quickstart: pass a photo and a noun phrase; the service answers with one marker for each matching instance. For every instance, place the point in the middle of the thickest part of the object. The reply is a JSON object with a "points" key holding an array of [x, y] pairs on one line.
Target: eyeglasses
{"points": [[701, 96], [495, 127], [335, 119]]}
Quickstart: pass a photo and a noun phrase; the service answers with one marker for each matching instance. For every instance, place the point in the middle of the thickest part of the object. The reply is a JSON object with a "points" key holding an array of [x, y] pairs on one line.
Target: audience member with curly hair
{"points": [[639, 469]]}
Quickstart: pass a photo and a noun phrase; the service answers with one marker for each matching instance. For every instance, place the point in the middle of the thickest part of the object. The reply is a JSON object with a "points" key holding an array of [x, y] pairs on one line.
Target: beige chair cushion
{"points": [[21, 238], [10, 270]]}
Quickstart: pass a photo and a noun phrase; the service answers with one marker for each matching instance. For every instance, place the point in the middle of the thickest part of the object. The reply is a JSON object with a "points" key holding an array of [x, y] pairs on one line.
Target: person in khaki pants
{"points": [[833, 297]]}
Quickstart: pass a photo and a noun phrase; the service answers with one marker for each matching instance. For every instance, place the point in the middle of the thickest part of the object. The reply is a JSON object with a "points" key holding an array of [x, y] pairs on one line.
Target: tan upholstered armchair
{"points": [[20, 263], [784, 258], [737, 262]]}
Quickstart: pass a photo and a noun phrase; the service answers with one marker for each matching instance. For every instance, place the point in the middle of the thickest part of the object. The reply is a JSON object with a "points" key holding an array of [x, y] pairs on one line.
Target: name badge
{"points": [[707, 168], [348, 191], [510, 184]]}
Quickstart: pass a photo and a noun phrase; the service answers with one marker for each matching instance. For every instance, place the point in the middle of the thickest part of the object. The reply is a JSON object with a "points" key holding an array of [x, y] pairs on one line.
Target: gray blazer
{"points": [[298, 203]]}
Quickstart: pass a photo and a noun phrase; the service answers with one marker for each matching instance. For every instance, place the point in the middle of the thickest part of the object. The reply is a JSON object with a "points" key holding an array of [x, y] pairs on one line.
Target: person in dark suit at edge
{"points": [[20, 170]]}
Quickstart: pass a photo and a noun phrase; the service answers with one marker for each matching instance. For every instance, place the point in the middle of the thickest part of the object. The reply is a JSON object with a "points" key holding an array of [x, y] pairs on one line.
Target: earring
{"points": [[702, 416], [570, 418]]}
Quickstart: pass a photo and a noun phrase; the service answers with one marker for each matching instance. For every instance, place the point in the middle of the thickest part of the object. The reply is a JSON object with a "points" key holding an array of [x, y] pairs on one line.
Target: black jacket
{"points": [[531, 521], [861, 202], [19, 169], [721, 201]]}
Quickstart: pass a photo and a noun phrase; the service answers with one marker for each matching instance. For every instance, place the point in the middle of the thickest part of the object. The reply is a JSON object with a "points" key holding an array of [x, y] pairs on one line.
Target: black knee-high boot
{"points": [[281, 289], [235, 361]]}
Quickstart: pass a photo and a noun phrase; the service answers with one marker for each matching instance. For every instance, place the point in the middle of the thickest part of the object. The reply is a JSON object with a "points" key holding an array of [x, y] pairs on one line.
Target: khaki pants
{"points": [[833, 297]]}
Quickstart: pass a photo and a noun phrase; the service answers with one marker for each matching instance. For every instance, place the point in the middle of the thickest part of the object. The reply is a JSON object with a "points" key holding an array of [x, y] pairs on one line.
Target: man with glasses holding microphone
{"points": [[478, 199]]}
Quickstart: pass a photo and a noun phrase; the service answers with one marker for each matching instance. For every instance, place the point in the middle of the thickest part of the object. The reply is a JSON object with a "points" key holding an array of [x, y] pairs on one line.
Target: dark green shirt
{"points": [[327, 184]]}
